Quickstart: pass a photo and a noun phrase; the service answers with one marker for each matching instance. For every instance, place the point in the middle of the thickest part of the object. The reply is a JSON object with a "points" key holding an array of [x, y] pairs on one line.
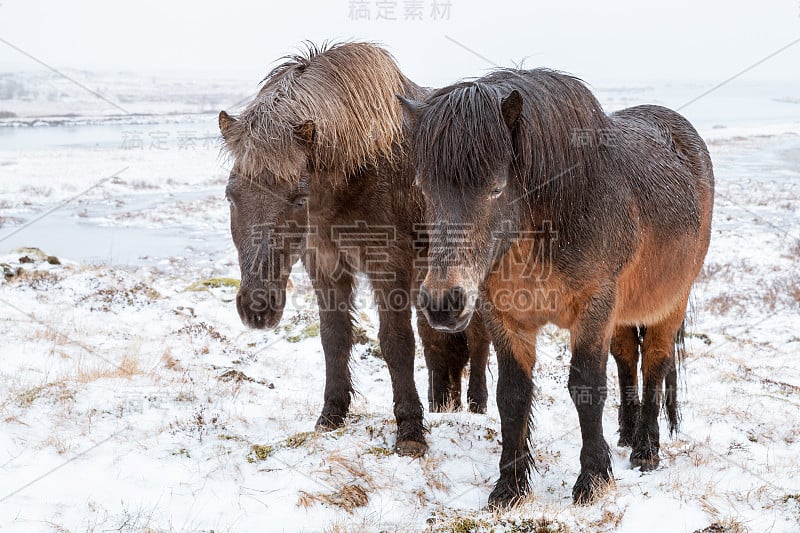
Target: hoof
{"points": [[588, 487], [327, 423], [645, 463], [477, 408], [503, 497], [438, 408], [410, 448]]}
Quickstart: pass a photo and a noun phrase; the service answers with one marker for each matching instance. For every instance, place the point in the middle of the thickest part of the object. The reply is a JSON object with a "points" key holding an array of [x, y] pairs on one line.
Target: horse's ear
{"points": [[305, 132], [511, 107], [225, 123], [411, 108]]}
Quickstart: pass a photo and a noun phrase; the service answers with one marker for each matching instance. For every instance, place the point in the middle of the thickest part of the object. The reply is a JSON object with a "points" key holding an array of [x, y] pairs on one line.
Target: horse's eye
{"points": [[496, 192], [300, 202]]}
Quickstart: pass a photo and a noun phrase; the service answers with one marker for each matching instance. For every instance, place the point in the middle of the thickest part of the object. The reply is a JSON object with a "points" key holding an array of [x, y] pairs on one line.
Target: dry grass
{"points": [[348, 498], [170, 362], [353, 480], [608, 520], [57, 391], [723, 304], [435, 479], [137, 295], [36, 279], [784, 291], [710, 271], [59, 443], [128, 367], [727, 525]]}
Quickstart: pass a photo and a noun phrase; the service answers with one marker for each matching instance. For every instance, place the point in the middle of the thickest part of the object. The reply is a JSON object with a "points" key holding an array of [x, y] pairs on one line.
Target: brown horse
{"points": [[598, 224], [320, 173]]}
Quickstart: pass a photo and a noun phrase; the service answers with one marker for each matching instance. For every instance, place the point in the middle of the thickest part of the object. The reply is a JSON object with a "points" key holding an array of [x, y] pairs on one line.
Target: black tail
{"points": [[671, 381]]}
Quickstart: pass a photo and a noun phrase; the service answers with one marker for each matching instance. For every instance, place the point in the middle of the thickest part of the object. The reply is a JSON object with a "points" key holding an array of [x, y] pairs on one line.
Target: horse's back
{"points": [[674, 132], [666, 163]]}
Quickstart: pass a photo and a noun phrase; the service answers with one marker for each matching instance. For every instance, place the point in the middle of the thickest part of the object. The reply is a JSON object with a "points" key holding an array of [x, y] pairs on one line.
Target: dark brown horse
{"points": [[598, 224], [320, 173]]}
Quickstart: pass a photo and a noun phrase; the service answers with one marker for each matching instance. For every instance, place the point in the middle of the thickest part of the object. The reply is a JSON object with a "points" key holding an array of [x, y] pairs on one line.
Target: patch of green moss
{"points": [[311, 330], [183, 452], [534, 525], [259, 452], [298, 439], [464, 525], [380, 451], [213, 283], [469, 524]]}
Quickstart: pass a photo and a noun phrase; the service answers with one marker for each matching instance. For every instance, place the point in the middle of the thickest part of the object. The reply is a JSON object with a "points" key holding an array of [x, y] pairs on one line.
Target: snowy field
{"points": [[133, 399]]}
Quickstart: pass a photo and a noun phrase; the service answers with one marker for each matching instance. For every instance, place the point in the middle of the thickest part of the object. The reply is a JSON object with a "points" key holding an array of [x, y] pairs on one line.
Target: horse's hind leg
{"points": [[658, 360], [671, 382], [445, 356], [625, 349], [478, 345]]}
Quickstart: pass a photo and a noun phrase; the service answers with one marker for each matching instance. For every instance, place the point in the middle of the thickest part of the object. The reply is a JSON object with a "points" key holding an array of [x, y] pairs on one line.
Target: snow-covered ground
{"points": [[132, 398]]}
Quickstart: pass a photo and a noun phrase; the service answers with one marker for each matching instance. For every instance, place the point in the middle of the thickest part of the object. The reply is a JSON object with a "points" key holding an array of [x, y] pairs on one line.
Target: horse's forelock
{"points": [[556, 147], [461, 139]]}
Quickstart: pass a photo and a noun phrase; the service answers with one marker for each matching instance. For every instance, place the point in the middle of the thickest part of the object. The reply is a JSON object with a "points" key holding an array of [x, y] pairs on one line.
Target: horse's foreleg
{"points": [[396, 338], [515, 361], [625, 349], [336, 332], [587, 387]]}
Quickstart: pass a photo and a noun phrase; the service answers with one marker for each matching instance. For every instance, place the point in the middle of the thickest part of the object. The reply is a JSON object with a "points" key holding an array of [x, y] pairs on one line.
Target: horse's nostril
{"points": [[445, 307], [457, 299]]}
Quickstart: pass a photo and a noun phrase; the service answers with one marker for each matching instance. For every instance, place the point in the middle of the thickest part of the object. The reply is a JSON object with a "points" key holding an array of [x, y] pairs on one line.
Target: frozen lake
{"points": [[84, 227]]}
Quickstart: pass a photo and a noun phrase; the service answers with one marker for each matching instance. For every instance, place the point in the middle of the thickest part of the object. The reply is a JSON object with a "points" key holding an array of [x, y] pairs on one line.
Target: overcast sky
{"points": [[601, 41]]}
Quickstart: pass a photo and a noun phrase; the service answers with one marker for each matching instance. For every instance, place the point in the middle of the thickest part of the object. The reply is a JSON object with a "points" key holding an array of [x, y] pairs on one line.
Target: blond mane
{"points": [[348, 91]]}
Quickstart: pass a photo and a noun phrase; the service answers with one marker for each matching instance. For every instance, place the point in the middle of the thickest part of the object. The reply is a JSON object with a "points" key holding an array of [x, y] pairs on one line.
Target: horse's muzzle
{"points": [[261, 308], [447, 309]]}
